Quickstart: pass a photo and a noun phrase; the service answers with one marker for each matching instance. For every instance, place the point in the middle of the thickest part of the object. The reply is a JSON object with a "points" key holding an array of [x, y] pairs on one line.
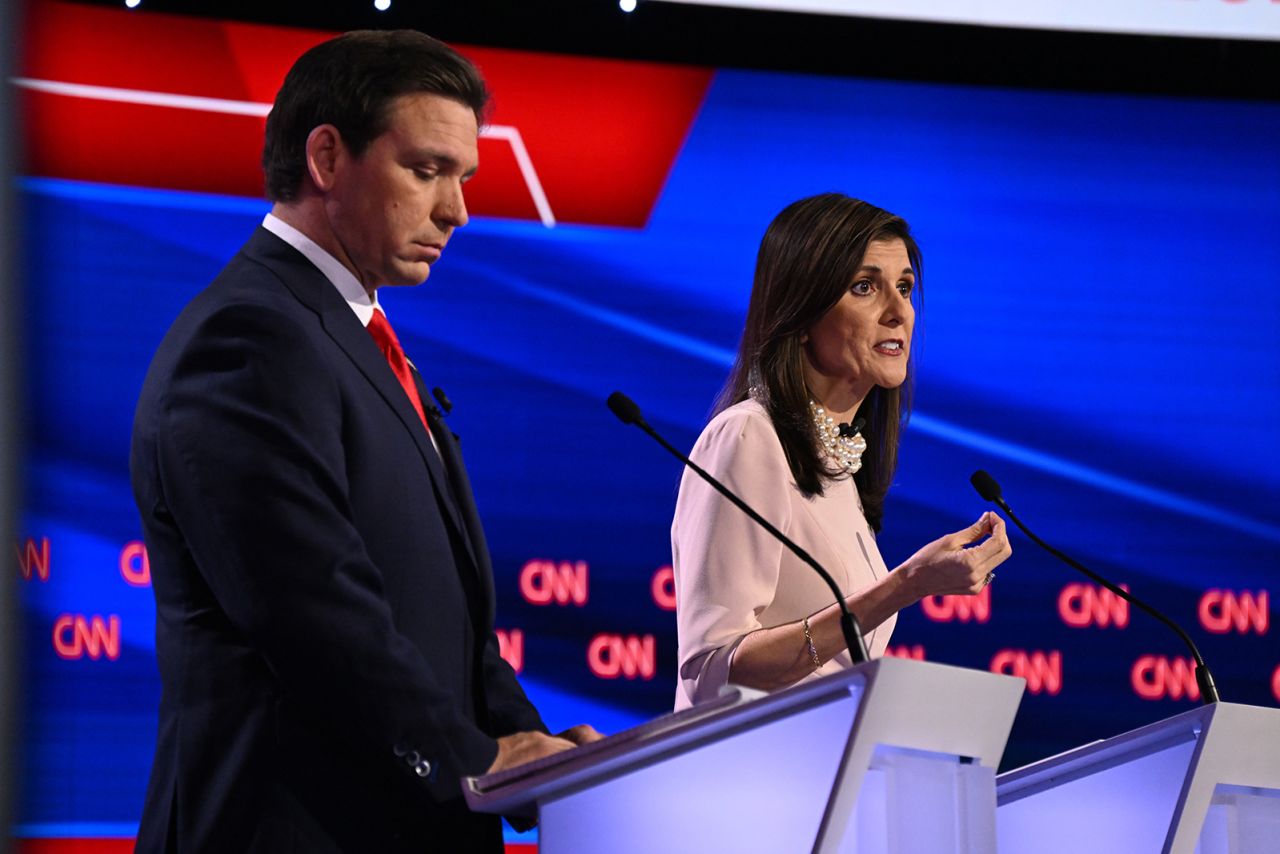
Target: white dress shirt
{"points": [[344, 280]]}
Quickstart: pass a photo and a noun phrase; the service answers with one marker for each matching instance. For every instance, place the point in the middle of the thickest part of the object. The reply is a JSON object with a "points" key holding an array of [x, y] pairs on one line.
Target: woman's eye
{"points": [[862, 287], [905, 288]]}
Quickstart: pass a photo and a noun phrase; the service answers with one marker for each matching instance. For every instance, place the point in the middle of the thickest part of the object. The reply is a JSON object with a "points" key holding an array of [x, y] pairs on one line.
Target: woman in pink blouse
{"points": [[827, 342]]}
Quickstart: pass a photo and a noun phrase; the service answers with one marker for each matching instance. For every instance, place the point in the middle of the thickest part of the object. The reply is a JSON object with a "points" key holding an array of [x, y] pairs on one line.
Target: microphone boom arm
{"points": [[629, 413], [990, 491]]}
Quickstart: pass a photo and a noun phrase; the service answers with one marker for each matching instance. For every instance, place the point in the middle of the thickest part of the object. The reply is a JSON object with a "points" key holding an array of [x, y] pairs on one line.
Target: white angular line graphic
{"points": [[508, 133], [511, 134]]}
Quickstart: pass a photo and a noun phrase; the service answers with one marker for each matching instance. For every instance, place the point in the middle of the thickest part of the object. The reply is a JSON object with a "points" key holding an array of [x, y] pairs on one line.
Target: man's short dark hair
{"points": [[350, 82]]}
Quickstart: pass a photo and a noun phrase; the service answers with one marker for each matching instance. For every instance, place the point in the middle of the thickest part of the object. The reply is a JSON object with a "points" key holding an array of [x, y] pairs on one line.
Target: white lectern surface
{"points": [[891, 756], [1205, 781]]}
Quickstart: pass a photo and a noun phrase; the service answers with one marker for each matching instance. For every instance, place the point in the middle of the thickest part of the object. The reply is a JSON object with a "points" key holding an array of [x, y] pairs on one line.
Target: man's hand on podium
{"points": [[521, 747], [580, 734]]}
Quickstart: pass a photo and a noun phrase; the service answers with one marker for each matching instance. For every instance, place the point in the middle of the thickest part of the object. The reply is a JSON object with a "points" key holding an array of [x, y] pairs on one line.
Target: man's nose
{"points": [[451, 208]]}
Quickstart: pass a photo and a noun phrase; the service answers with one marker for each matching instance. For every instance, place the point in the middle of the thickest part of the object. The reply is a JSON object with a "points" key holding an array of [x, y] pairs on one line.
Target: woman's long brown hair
{"points": [[808, 259]]}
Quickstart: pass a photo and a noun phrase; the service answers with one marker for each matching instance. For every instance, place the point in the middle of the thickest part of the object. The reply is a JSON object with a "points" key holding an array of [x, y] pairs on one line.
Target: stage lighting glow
{"points": [[132, 4], [382, 5], [627, 5]]}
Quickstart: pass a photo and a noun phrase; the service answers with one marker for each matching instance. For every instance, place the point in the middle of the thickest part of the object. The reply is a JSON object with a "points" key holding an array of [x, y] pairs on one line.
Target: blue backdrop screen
{"points": [[1101, 296]]}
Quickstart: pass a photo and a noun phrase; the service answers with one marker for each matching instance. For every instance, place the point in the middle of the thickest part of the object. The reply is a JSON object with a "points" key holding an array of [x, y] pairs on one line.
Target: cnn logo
{"points": [[1083, 605], [914, 652], [511, 647], [1156, 677], [135, 567], [75, 636], [964, 609], [1043, 671], [33, 559], [611, 656], [545, 581], [1223, 611], [663, 588]]}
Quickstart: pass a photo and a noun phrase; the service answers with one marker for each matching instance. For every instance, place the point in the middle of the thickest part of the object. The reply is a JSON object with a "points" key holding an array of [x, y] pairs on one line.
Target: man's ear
{"points": [[324, 151]]}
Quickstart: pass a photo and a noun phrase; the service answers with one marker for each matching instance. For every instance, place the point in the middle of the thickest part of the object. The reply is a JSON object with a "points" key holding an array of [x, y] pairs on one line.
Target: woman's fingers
{"points": [[984, 527], [953, 565], [997, 548]]}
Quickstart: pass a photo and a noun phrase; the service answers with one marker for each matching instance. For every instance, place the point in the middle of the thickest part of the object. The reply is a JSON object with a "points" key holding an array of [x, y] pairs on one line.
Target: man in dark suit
{"points": [[323, 589]]}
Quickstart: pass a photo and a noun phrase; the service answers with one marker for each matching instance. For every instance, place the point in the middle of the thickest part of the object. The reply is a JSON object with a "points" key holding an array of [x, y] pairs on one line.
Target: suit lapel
{"points": [[459, 488], [312, 289], [355, 340]]}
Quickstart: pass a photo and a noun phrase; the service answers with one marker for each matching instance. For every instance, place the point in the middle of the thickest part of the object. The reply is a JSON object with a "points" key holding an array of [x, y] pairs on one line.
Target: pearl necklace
{"points": [[845, 450]]}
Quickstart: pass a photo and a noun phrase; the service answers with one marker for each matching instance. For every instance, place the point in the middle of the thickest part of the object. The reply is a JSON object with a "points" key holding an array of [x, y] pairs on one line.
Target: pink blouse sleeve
{"points": [[726, 566]]}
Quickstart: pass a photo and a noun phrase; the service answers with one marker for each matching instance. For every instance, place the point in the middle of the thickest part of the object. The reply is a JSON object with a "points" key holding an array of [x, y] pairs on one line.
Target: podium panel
{"points": [[1203, 782], [1241, 819], [891, 756], [913, 804], [756, 790]]}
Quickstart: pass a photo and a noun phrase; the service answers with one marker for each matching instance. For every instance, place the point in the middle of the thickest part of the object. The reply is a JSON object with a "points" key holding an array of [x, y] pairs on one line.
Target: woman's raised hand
{"points": [[954, 564]]}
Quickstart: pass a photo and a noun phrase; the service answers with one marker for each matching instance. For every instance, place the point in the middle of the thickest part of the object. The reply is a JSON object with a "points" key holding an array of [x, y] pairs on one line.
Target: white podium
{"points": [[891, 756], [1203, 782]]}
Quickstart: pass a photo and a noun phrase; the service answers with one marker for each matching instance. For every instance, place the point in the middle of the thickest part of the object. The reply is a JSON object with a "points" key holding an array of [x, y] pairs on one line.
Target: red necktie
{"points": [[385, 338]]}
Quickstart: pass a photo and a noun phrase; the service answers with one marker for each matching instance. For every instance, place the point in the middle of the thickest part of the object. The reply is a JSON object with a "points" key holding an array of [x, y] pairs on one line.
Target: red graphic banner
{"points": [[166, 101]]}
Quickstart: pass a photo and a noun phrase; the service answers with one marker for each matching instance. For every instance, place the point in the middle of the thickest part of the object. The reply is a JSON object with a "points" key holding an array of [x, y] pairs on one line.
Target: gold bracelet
{"points": [[808, 641]]}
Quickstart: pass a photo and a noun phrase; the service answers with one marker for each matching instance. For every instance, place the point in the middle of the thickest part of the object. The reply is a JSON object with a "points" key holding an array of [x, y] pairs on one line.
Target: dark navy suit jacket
{"points": [[323, 590]]}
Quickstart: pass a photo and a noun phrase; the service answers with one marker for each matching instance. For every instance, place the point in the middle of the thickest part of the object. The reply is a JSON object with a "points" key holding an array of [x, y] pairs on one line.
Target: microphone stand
{"points": [[987, 487], [629, 413]]}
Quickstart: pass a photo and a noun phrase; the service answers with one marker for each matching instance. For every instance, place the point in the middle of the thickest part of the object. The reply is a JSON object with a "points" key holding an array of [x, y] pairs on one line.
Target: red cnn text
{"points": [[33, 559], [1155, 677], [77, 636], [1084, 605], [611, 656], [511, 647], [964, 609], [1043, 671], [1223, 611], [135, 568], [663, 588], [545, 581]]}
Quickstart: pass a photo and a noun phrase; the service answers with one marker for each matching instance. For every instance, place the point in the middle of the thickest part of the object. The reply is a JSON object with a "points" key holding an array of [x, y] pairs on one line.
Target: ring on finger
{"points": [[991, 576]]}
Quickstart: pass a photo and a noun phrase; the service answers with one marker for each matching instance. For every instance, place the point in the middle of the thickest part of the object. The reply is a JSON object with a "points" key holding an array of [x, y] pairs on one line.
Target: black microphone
{"points": [[990, 491], [628, 413], [442, 399], [853, 428]]}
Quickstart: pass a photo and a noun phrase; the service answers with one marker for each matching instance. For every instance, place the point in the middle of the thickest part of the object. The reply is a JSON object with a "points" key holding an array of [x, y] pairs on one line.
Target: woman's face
{"points": [[865, 339]]}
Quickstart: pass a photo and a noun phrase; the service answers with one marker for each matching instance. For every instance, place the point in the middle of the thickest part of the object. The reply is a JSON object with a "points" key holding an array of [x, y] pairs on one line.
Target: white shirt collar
{"points": [[346, 283]]}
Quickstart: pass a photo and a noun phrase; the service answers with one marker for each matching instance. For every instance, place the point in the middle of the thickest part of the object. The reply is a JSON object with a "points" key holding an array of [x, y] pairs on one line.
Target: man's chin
{"points": [[409, 275]]}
